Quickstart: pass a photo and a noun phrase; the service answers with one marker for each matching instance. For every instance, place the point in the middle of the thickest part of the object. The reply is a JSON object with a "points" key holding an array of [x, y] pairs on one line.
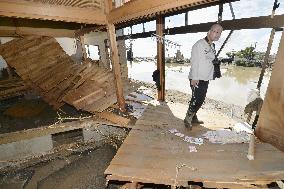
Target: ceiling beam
{"points": [[169, 13], [33, 10], [237, 24], [10, 31], [12, 27], [136, 9]]}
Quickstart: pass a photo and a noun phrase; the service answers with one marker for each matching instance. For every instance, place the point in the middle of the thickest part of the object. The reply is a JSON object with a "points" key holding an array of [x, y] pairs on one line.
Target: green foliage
{"points": [[248, 53], [247, 57], [244, 63]]}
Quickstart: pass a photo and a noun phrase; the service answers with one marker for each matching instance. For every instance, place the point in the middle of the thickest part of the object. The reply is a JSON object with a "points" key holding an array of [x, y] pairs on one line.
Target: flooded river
{"points": [[232, 88]]}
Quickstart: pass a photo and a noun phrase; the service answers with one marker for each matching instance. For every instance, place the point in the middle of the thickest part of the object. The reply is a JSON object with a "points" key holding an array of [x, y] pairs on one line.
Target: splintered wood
{"points": [[73, 3], [43, 65], [12, 87]]}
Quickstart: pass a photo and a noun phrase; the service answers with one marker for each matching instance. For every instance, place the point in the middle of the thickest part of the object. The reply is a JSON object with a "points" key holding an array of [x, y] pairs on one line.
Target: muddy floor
{"points": [[23, 112], [78, 170]]}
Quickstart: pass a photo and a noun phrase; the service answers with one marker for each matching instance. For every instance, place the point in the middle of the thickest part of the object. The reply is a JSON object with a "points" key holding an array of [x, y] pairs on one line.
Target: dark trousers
{"points": [[198, 95]]}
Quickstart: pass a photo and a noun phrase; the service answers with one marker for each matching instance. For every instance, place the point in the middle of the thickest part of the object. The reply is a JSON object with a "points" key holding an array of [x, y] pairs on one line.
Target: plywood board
{"points": [[151, 154]]}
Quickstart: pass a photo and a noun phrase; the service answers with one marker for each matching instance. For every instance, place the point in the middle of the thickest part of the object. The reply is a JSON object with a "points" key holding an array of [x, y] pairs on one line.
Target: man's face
{"points": [[215, 33]]}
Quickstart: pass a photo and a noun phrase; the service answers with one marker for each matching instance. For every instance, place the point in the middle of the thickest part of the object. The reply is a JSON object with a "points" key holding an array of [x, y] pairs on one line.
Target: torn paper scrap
{"points": [[173, 130], [179, 134], [192, 149]]}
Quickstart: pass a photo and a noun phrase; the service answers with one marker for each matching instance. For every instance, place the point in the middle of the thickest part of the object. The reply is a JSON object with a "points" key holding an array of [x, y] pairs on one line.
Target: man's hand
{"points": [[194, 82]]}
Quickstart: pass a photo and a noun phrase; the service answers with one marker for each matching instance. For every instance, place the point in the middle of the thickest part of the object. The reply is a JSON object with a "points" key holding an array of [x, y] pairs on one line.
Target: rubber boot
{"points": [[196, 120], [188, 119]]}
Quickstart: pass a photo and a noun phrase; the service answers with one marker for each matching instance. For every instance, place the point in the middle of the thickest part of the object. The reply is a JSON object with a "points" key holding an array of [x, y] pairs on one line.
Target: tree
{"points": [[248, 53]]}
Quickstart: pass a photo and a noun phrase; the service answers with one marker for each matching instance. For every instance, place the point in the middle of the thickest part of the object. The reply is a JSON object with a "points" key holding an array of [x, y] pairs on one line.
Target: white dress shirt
{"points": [[202, 55]]}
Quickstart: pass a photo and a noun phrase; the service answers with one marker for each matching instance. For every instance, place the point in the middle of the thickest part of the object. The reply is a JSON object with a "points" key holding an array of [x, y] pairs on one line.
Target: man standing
{"points": [[201, 71]]}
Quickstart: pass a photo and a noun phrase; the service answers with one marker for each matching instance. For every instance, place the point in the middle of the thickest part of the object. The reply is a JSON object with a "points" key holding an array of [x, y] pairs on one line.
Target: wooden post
{"points": [[116, 66], [186, 18], [84, 53], [106, 42], [115, 59], [160, 26], [220, 14]]}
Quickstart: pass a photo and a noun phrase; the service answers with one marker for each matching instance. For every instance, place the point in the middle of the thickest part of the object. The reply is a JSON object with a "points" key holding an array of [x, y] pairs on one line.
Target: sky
{"points": [[240, 39]]}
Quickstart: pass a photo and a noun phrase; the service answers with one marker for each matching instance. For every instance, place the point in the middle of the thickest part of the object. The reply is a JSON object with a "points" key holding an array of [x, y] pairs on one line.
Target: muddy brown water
{"points": [[232, 88]]}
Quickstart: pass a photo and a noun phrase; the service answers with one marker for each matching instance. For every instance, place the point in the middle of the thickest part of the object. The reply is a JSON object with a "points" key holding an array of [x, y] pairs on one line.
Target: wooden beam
{"points": [[52, 129], [160, 25], [109, 116], [13, 27], [167, 13], [237, 24], [33, 10], [116, 66], [271, 123], [115, 59], [7, 31], [141, 8]]}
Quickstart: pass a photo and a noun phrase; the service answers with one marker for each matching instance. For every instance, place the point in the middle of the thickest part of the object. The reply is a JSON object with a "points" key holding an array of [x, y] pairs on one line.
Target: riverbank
{"points": [[175, 96], [232, 88]]}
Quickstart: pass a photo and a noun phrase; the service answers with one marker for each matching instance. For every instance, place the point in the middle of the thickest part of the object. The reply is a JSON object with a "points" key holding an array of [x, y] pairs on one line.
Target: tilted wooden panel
{"points": [[271, 121], [73, 3], [12, 87], [44, 65]]}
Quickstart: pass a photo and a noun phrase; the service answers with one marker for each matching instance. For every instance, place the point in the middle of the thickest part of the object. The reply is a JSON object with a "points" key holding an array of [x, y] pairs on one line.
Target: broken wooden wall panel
{"points": [[43, 64], [90, 98], [99, 106], [42, 75], [35, 67], [56, 78], [24, 47], [80, 92]]}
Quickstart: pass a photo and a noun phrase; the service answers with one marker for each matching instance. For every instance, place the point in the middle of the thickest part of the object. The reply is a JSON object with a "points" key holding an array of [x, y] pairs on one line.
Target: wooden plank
{"points": [[31, 10], [150, 154], [116, 66], [141, 8], [271, 123], [51, 129], [109, 116]]}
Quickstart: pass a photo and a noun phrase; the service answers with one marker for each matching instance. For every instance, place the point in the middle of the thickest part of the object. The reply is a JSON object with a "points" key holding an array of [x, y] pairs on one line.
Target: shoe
{"points": [[196, 120], [188, 119]]}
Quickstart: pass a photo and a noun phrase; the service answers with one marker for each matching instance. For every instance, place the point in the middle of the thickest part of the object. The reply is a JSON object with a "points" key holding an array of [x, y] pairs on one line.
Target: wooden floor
{"points": [[151, 154]]}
